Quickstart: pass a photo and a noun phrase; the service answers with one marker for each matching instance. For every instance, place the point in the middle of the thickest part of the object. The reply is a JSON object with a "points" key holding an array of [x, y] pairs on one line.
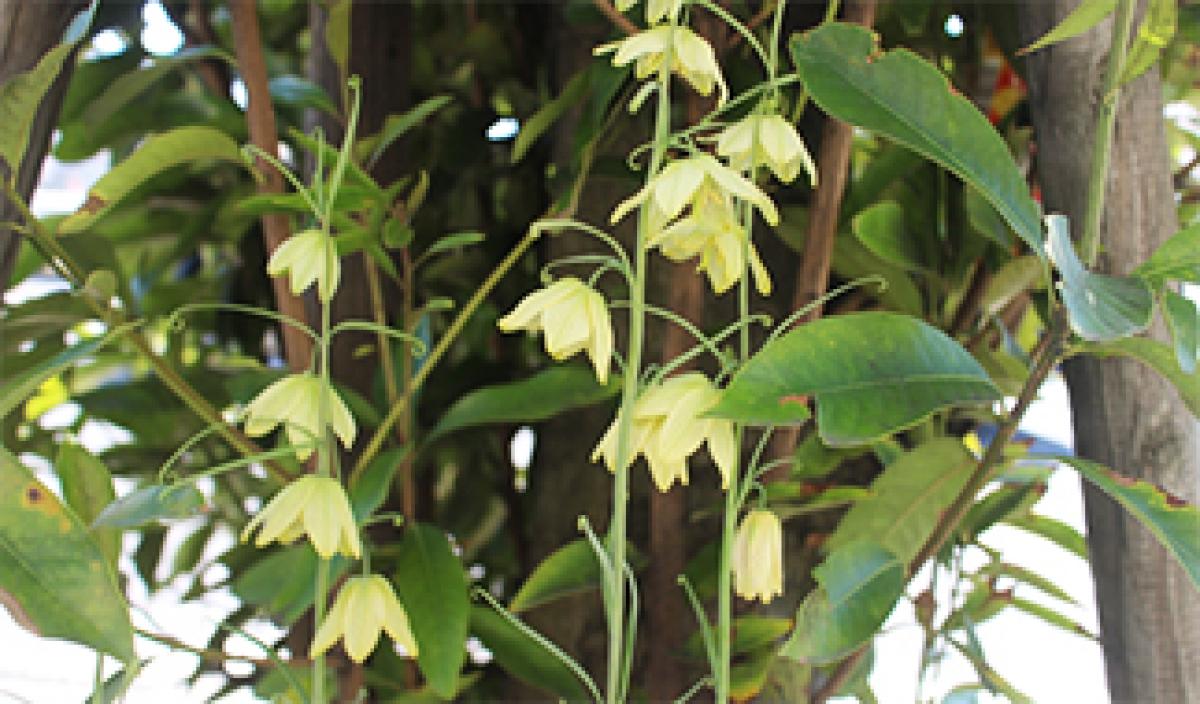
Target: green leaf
{"points": [[871, 374], [907, 499], [860, 584], [523, 657], [1050, 616], [396, 126], [996, 506], [87, 488], [1013, 277], [880, 228], [1053, 530], [1183, 320], [160, 152], [1156, 32], [569, 569], [906, 98], [1159, 357], [284, 599], [1176, 259], [128, 86], [539, 397], [453, 241], [152, 503], [298, 92], [21, 95], [1173, 521], [1088, 14], [15, 391], [1099, 307], [432, 586], [54, 579], [1027, 576], [984, 219], [540, 121], [337, 35], [371, 488]]}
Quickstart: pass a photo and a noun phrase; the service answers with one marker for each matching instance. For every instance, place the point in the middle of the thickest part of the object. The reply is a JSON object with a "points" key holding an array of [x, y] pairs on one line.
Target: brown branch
{"points": [[260, 118], [621, 21]]}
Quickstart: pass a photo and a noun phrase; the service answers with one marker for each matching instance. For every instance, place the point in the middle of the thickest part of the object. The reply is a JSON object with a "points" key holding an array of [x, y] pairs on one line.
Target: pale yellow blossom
{"points": [[572, 316], [306, 257], [314, 505], [758, 557], [295, 402], [767, 140], [365, 607], [692, 57]]}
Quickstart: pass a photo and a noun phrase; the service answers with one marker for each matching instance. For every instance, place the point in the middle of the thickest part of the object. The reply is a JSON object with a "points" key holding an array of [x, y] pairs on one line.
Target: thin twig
{"points": [[621, 21]]}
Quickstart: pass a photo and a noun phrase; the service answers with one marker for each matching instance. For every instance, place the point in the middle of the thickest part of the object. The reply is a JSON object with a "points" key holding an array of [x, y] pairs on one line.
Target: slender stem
{"points": [[439, 350], [1089, 245]]}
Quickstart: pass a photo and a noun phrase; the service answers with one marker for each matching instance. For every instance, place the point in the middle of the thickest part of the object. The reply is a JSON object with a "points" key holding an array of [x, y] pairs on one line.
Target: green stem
{"points": [[439, 350], [1089, 245]]}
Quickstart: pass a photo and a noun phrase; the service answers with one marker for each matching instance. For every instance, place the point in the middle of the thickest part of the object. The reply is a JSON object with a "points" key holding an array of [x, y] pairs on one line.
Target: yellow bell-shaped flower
{"points": [[677, 186], [758, 557], [365, 606], [306, 257], [314, 505], [711, 231], [692, 57], [294, 401], [573, 317], [767, 140], [668, 427]]}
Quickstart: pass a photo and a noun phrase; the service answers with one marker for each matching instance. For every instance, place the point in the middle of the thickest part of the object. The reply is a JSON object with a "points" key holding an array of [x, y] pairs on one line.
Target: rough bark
{"points": [[28, 30], [1125, 415]]}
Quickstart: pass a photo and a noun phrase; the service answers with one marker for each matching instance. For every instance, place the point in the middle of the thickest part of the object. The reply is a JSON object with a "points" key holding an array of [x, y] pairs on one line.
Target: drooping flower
{"points": [[711, 231], [314, 505], [675, 187], [692, 57], [758, 557], [766, 140], [365, 606], [573, 317], [295, 401], [668, 427], [306, 257]]}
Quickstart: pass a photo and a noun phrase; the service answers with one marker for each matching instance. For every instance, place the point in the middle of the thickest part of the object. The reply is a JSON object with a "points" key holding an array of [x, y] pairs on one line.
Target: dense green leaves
{"points": [[17, 390], [431, 584], [907, 499], [54, 578], [871, 374], [1154, 34], [160, 152], [859, 585], [1174, 522], [539, 397], [905, 98], [1176, 259], [1099, 307]]}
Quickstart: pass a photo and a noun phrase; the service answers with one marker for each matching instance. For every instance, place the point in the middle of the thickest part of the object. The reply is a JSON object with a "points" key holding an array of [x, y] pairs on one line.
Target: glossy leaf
{"points": [[54, 579], [1159, 357], [871, 374], [523, 657], [880, 228], [539, 397], [860, 584], [431, 584], [1054, 530], [1176, 259], [906, 98], [1099, 307], [1173, 521], [160, 152], [87, 488], [907, 499], [568, 570], [1183, 319], [300, 93], [1085, 16], [152, 503]]}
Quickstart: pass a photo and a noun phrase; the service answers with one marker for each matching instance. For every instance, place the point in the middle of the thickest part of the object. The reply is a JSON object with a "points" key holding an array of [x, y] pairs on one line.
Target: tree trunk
{"points": [[1125, 415], [28, 30]]}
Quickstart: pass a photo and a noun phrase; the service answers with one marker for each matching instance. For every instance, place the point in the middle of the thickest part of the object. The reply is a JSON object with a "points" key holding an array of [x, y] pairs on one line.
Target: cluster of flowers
{"points": [[314, 505], [689, 210]]}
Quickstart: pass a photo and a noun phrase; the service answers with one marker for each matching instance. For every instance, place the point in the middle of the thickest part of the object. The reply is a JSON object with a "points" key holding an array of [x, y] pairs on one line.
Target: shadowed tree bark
{"points": [[1125, 415], [28, 30]]}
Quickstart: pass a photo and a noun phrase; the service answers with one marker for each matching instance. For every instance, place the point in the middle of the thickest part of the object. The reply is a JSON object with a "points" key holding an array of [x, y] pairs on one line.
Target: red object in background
{"points": [[1007, 93]]}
